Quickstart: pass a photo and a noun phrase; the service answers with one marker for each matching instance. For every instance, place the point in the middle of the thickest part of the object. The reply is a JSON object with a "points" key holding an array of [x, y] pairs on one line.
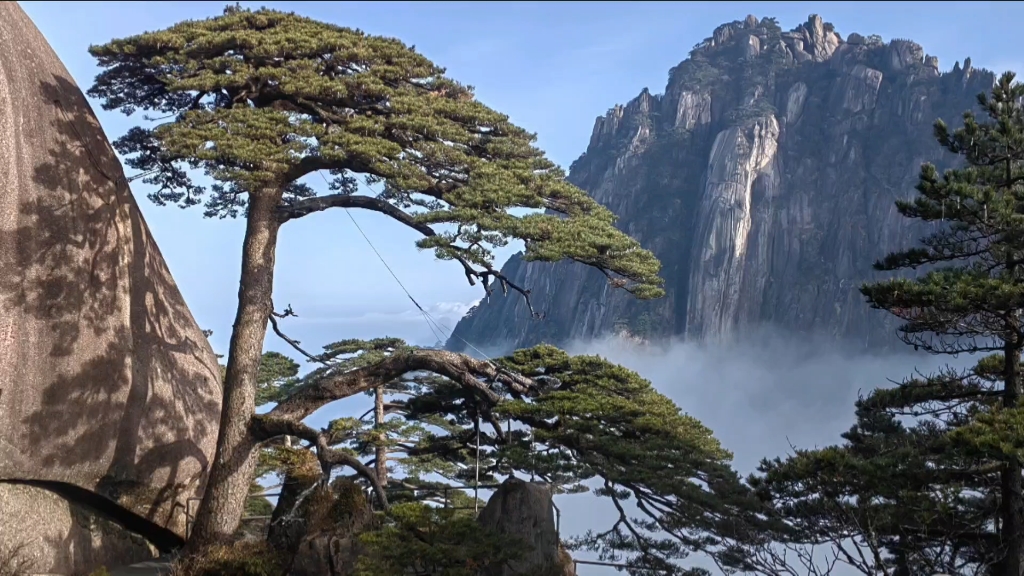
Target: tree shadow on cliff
{"points": [[122, 388]]}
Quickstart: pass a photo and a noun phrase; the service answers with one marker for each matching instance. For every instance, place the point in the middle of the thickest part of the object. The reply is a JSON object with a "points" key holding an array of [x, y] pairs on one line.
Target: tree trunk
{"points": [[233, 465], [381, 455], [1012, 501], [287, 524]]}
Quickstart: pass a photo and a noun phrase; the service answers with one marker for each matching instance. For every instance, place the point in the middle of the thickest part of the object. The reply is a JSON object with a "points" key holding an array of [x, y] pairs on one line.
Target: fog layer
{"points": [[760, 396], [764, 394]]}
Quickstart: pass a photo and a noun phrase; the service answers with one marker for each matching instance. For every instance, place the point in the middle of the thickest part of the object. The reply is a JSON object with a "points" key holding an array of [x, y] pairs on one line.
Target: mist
{"points": [[767, 392], [762, 396]]}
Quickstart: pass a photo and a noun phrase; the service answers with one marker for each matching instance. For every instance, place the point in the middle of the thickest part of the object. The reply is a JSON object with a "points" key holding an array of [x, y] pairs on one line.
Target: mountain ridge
{"points": [[764, 177]]}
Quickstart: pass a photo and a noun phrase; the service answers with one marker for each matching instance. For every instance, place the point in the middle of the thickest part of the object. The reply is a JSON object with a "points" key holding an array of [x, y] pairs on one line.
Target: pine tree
{"points": [[258, 101], [588, 422], [892, 499], [972, 300], [419, 539], [943, 492]]}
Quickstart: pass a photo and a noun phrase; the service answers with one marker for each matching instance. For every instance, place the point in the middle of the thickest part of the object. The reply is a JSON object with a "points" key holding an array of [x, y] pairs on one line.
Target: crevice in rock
{"points": [[164, 539]]}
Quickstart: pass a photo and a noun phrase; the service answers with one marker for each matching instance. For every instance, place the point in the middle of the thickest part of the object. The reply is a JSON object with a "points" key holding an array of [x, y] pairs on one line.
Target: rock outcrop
{"points": [[523, 511], [324, 540], [764, 178], [107, 385]]}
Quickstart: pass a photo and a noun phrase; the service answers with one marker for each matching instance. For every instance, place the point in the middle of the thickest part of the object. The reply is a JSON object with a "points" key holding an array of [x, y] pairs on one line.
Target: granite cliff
{"points": [[109, 391], [764, 178]]}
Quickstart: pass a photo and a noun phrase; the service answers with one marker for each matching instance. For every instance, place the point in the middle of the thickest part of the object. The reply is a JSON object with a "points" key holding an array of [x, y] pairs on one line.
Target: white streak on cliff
{"points": [[795, 103], [693, 110], [739, 157]]}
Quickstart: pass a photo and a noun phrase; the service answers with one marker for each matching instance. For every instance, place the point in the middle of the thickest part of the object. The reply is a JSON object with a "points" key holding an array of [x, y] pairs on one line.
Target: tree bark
{"points": [[460, 368], [381, 452], [1012, 501], [233, 465], [286, 523], [1010, 485]]}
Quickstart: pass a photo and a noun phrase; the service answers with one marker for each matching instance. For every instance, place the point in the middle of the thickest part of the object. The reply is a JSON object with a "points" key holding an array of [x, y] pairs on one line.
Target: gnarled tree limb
{"points": [[286, 418], [336, 457], [265, 427], [459, 368], [321, 203]]}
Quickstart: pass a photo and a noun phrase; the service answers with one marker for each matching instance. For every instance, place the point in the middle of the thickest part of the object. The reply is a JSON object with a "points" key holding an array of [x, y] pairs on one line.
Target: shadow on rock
{"points": [[106, 382]]}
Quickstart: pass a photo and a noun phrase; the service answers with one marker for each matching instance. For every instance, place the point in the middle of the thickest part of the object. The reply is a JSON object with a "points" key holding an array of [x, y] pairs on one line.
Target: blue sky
{"points": [[552, 66]]}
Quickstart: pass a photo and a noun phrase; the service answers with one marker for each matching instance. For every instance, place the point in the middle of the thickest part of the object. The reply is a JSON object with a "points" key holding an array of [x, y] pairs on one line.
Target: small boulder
{"points": [[333, 520], [523, 511]]}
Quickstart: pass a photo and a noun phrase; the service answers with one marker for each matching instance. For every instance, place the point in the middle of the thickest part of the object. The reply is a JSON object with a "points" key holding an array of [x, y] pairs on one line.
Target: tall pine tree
{"points": [[971, 301], [264, 102], [930, 477]]}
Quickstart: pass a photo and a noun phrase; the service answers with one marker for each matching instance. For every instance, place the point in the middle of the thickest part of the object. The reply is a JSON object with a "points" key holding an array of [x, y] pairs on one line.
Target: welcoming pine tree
{"points": [[260, 101]]}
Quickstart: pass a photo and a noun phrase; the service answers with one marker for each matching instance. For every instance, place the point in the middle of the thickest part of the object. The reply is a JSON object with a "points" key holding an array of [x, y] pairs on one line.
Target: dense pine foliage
{"points": [[929, 479]]}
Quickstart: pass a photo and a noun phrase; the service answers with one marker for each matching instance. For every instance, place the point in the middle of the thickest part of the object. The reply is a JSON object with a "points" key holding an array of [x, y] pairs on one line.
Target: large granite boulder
{"points": [[106, 382]]}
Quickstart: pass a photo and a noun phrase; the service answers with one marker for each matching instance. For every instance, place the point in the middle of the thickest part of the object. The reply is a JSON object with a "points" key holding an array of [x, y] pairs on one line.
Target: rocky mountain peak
{"points": [[764, 178]]}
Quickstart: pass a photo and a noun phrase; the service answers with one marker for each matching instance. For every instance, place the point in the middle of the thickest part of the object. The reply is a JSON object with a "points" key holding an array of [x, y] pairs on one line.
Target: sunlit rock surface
{"points": [[764, 178]]}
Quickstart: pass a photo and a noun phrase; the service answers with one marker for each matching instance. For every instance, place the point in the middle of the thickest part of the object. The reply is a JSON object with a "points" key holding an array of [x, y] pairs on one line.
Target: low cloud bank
{"points": [[762, 395]]}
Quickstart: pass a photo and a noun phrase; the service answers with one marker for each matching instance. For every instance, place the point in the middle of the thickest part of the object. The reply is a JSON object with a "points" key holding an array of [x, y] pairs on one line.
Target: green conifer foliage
{"points": [[259, 100], [929, 479], [262, 103], [586, 424]]}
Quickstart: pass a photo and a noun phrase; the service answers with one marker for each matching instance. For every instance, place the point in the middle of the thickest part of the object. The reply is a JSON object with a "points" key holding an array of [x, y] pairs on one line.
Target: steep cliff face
{"points": [[109, 391], [764, 178]]}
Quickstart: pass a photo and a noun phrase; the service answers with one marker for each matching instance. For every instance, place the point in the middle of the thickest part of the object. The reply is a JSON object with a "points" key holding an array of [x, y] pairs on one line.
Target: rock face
{"points": [[523, 511], [326, 541], [106, 382], [75, 538], [764, 178]]}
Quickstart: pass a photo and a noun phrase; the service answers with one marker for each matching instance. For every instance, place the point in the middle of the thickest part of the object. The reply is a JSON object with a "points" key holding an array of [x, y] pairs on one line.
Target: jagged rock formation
{"points": [[763, 178], [108, 388]]}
